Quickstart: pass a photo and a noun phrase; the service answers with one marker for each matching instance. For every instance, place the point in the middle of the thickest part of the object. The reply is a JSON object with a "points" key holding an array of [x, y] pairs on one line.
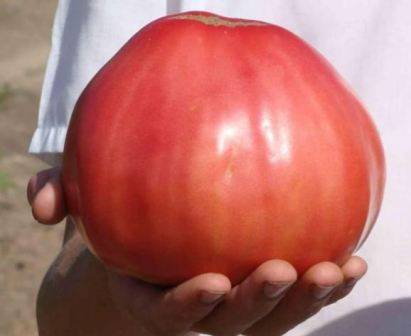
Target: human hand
{"points": [[270, 301]]}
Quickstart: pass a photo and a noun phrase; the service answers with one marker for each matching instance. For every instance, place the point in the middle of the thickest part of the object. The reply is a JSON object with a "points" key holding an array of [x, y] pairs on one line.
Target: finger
{"points": [[173, 311], [251, 300], [45, 195], [353, 270], [302, 301], [36, 183]]}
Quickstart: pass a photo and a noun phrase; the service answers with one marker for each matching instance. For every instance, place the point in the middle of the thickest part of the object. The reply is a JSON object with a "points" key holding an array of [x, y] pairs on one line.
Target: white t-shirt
{"points": [[368, 41]]}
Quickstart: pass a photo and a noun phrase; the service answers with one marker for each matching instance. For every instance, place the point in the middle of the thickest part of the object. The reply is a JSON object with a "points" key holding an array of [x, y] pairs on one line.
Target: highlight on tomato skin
{"points": [[213, 144]]}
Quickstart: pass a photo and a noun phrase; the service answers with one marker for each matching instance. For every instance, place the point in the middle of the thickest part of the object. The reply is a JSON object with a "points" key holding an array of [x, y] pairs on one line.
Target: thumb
{"points": [[170, 311], [45, 195]]}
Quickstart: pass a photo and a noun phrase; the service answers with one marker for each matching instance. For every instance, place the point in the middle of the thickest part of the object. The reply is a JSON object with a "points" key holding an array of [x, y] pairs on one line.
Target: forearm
{"points": [[74, 298]]}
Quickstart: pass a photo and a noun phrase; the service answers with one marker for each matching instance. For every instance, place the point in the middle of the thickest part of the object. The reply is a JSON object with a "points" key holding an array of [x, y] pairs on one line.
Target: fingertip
{"points": [[324, 274], [213, 282], [48, 204], [192, 300], [355, 268], [275, 271], [36, 183], [207, 288]]}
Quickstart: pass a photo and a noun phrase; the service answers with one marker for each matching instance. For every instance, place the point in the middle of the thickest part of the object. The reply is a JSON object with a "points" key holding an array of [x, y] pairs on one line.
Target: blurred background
{"points": [[26, 248]]}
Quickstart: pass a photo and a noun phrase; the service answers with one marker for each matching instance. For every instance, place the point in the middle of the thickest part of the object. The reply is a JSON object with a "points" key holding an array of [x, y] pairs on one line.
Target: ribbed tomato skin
{"points": [[209, 144]]}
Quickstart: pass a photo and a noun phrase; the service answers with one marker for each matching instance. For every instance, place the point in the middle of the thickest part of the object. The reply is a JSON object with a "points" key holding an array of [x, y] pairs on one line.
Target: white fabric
{"points": [[369, 42]]}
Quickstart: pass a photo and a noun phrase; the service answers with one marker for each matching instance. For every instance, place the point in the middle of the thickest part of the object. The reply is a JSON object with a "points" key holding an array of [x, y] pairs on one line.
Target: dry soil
{"points": [[26, 247]]}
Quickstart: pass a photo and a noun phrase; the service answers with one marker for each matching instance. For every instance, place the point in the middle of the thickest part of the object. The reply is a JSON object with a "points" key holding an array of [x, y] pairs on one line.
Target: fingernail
{"points": [[210, 297], [30, 190], [350, 283], [273, 290], [320, 292]]}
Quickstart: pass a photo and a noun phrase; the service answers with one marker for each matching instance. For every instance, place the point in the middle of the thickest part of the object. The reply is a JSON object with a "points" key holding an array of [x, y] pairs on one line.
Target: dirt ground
{"points": [[26, 248]]}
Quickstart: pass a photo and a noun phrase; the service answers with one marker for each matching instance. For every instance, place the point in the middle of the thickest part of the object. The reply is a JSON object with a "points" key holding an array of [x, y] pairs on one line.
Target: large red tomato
{"points": [[212, 144]]}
